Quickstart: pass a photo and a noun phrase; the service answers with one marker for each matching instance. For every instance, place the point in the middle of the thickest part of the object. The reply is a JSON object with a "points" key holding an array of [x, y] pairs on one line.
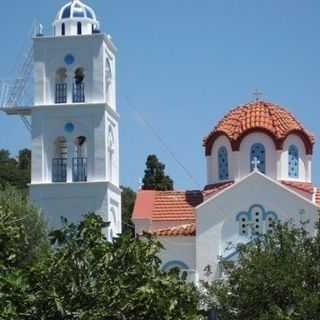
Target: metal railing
{"points": [[61, 93], [79, 169], [59, 170], [78, 93]]}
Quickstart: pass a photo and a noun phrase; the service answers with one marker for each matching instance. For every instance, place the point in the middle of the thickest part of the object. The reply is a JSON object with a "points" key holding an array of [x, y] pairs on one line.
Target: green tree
{"points": [[87, 277], [155, 177], [13, 172], [24, 159], [277, 277], [128, 198], [22, 243], [4, 155]]}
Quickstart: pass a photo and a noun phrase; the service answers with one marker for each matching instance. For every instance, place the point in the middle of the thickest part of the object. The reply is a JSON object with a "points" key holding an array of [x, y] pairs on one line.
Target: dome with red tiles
{"points": [[261, 116]]}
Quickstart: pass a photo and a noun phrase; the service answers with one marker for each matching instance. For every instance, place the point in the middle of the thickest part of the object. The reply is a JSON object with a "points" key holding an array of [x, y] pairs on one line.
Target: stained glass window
{"points": [[258, 153], [223, 163], [293, 162]]}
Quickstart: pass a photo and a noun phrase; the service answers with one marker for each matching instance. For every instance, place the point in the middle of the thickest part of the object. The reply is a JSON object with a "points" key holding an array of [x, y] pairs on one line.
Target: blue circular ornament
{"points": [[69, 59], [69, 127]]}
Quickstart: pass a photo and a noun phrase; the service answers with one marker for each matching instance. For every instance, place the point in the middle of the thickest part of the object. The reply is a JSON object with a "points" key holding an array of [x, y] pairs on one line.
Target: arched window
{"points": [[255, 221], [79, 28], [257, 216], [223, 163], [111, 150], [61, 86], [59, 162], [293, 162], [78, 86], [79, 161], [243, 219], [63, 29], [175, 265], [270, 220], [108, 78], [258, 154]]}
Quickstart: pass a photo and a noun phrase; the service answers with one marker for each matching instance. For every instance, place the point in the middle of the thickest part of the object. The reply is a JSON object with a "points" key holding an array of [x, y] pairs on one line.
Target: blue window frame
{"points": [[79, 169], [61, 93], [258, 152], [174, 264], [293, 162], [223, 163]]}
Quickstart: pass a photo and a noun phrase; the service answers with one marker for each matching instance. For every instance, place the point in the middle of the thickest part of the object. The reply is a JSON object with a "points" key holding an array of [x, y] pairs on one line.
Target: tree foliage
{"points": [[83, 276], [22, 242], [87, 277], [15, 172], [155, 177], [128, 198], [277, 278]]}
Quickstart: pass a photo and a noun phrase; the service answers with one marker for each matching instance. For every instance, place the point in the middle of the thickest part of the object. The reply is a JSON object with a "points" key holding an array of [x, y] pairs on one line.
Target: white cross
{"points": [[258, 94], [255, 163]]}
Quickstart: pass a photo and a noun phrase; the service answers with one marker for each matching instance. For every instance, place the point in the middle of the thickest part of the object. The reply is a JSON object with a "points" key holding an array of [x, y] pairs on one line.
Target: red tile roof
{"points": [[212, 189], [317, 196], [300, 186], [272, 119], [183, 230], [166, 205]]}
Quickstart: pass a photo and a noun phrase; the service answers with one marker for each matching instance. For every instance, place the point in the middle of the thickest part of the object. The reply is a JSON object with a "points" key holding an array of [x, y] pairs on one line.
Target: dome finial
{"points": [[258, 94]]}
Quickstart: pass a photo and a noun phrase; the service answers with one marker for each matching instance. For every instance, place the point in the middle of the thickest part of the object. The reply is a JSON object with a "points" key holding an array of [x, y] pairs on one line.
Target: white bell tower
{"points": [[75, 140]]}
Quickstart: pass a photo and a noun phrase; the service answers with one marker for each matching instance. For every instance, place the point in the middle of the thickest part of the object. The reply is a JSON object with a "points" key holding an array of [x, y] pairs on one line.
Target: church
{"points": [[259, 157], [259, 171]]}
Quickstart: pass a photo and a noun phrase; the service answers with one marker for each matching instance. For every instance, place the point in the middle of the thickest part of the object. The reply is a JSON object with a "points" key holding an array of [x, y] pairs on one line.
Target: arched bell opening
{"points": [[61, 86], [80, 159], [60, 160], [78, 86]]}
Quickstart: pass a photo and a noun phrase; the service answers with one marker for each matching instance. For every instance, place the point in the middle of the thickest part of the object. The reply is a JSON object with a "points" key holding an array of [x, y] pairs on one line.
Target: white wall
{"points": [[71, 26], [90, 54], [244, 154], [212, 161], [90, 121], [180, 249], [239, 161], [74, 200], [216, 218]]}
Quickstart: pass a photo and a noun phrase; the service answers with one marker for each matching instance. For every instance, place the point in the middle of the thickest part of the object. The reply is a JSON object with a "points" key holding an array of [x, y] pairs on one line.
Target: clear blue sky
{"points": [[183, 64]]}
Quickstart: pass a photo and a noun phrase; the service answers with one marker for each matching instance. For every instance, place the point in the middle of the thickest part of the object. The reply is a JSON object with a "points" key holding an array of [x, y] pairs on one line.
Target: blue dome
{"points": [[76, 9]]}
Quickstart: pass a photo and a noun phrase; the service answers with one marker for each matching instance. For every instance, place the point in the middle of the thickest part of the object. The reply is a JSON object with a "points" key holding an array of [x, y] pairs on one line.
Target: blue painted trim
{"points": [[171, 264], [243, 213], [257, 206], [230, 255], [270, 213]]}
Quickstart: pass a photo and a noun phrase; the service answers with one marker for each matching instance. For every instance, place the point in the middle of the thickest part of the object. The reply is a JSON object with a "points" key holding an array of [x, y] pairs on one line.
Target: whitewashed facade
{"points": [[75, 124]]}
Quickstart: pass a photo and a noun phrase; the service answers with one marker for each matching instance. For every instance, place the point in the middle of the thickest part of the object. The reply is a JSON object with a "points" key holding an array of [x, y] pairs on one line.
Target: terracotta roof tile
{"points": [[317, 196], [182, 230], [167, 205], [300, 186], [212, 189], [258, 115]]}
